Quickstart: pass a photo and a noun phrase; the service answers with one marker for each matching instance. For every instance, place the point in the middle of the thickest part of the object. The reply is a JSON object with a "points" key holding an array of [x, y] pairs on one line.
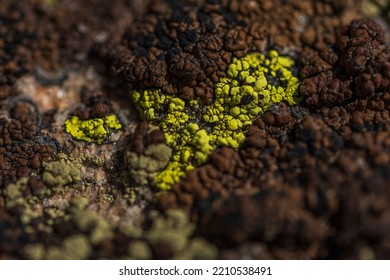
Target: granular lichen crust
{"points": [[57, 174], [193, 129], [92, 130], [143, 168], [174, 233]]}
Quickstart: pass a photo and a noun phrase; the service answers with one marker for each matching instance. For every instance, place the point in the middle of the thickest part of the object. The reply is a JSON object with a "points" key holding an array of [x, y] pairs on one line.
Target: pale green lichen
{"points": [[86, 220], [139, 250], [197, 249], [35, 251], [14, 194], [75, 247], [143, 168], [62, 172], [175, 231], [92, 130], [193, 130], [172, 230], [18, 194]]}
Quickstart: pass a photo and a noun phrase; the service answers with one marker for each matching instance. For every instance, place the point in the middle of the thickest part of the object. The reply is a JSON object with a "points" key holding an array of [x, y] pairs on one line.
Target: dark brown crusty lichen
{"points": [[40, 38], [185, 48], [358, 66], [23, 147]]}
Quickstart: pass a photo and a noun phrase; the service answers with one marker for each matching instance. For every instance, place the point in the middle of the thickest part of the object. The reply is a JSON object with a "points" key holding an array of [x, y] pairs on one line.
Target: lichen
{"points": [[75, 247], [14, 194], [92, 130], [139, 250], [35, 251], [193, 130], [143, 168], [62, 172], [172, 230], [18, 194], [86, 220], [175, 231]]}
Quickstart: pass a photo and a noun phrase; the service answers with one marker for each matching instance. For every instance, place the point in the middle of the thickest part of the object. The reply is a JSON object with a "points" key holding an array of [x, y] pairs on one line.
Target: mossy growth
{"points": [[15, 194], [193, 130], [174, 231], [95, 226], [92, 130], [62, 172], [143, 168], [139, 250], [92, 229], [74, 247], [18, 194], [171, 231], [35, 251]]}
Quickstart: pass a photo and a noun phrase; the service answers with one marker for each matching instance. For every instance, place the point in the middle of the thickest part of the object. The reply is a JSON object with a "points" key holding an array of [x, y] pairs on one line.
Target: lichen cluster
{"points": [[143, 168], [92, 130], [174, 232], [171, 235], [193, 130], [57, 174]]}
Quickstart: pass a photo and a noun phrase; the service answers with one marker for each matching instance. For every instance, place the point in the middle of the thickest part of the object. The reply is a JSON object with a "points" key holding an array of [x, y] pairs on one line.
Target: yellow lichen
{"points": [[92, 130], [193, 130]]}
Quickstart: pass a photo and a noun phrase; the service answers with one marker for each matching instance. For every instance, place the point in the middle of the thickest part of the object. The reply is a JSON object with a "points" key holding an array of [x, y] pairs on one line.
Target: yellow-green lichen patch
{"points": [[35, 251], [62, 172], [144, 167], [193, 130], [75, 247], [18, 194], [86, 220], [139, 250], [172, 231], [15, 193], [92, 130], [175, 232]]}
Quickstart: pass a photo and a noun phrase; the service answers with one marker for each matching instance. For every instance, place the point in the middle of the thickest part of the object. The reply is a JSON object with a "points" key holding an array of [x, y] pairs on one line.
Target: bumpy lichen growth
{"points": [[87, 220], [175, 232], [75, 247], [139, 250], [143, 168], [14, 194], [62, 172], [18, 194], [193, 130], [92, 130]]}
